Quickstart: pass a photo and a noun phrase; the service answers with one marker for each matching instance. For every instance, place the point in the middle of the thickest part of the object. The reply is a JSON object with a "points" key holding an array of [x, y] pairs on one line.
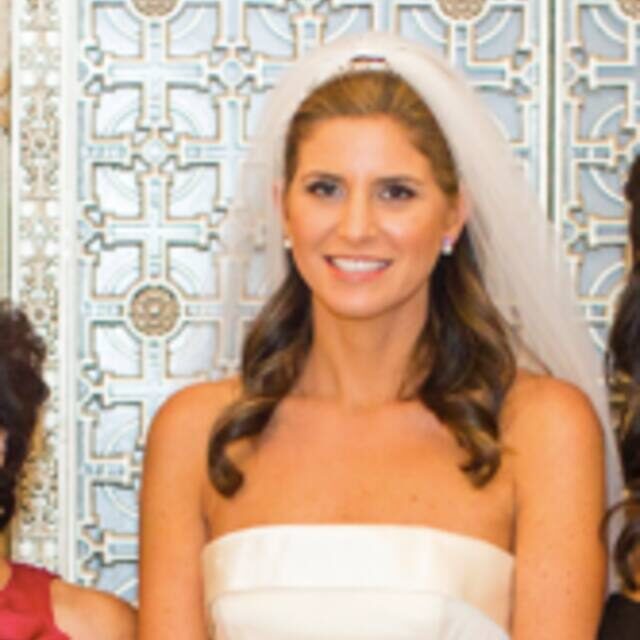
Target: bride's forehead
{"points": [[367, 144], [344, 134], [371, 123]]}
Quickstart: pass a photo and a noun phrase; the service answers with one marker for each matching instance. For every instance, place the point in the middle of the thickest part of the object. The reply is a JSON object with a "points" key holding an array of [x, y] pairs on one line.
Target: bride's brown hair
{"points": [[624, 378], [462, 364]]}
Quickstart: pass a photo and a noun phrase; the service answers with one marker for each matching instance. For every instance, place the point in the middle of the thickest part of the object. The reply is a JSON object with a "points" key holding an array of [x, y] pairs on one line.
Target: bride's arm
{"points": [[173, 527], [559, 482]]}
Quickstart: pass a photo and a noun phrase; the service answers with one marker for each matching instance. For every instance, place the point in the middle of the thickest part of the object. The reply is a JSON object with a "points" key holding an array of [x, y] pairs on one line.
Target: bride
{"points": [[410, 449]]}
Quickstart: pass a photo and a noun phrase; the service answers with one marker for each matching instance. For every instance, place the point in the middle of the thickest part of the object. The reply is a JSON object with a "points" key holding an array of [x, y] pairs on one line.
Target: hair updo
{"points": [[22, 393]]}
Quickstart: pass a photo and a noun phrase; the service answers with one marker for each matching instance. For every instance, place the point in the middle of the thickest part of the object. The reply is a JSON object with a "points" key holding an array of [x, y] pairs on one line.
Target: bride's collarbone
{"points": [[312, 422], [301, 476]]}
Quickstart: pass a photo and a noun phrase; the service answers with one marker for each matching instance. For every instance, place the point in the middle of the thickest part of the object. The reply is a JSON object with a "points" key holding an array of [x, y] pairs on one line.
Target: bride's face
{"points": [[366, 217]]}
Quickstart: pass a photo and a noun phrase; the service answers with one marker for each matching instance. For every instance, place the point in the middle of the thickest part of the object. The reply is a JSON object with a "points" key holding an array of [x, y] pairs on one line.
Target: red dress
{"points": [[25, 605]]}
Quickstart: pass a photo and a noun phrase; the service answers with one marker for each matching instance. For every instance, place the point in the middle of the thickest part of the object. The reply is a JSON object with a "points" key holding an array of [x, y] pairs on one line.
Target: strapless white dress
{"points": [[350, 582]]}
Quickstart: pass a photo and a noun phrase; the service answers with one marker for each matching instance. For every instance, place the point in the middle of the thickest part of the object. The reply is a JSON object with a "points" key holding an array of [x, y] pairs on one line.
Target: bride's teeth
{"points": [[351, 265]]}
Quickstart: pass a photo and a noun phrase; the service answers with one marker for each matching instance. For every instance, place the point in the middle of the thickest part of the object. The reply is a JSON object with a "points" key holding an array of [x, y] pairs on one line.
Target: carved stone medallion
{"points": [[155, 310], [630, 8], [462, 9], [155, 8]]}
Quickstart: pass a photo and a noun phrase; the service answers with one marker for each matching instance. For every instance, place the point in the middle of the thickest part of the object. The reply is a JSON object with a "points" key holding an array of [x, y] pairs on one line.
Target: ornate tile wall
{"points": [[597, 117], [132, 117], [41, 270]]}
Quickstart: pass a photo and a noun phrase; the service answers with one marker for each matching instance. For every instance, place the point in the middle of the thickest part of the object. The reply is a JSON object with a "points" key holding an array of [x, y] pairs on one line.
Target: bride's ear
{"points": [[465, 201], [278, 202], [459, 214], [277, 195]]}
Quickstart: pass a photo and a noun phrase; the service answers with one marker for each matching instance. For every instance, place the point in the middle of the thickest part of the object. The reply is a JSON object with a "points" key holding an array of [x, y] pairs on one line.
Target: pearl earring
{"points": [[447, 246], [286, 243]]}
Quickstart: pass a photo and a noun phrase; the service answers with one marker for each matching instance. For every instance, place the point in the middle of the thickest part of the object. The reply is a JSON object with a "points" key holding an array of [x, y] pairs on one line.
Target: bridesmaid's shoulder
{"points": [[89, 614]]}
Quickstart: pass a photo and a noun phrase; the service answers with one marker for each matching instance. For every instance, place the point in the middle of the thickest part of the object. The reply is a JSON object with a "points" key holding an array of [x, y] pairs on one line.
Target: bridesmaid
{"points": [[621, 619], [35, 604]]}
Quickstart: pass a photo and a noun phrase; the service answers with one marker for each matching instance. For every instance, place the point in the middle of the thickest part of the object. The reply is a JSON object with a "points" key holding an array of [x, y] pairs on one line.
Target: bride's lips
{"points": [[357, 268]]}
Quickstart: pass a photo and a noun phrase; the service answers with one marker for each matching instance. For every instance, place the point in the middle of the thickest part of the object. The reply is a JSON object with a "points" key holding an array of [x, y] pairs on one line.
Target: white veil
{"points": [[519, 252]]}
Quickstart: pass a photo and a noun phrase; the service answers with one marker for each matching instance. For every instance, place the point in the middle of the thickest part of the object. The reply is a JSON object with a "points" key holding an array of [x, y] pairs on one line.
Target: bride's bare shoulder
{"points": [[203, 398], [544, 391], [193, 410], [544, 408]]}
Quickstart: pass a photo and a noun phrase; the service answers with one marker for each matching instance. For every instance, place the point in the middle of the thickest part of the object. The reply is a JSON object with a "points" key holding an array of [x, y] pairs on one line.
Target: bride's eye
{"points": [[323, 188], [396, 191]]}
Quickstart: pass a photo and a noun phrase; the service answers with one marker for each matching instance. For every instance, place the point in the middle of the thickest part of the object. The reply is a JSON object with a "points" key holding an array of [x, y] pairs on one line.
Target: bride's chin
{"points": [[350, 308]]}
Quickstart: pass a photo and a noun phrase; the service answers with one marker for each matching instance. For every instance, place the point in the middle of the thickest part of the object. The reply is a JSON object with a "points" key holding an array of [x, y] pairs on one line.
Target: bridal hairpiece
{"points": [[363, 62]]}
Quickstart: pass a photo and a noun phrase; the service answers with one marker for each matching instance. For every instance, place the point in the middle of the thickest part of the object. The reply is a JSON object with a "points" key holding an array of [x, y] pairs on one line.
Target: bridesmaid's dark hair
{"points": [[624, 378], [22, 393]]}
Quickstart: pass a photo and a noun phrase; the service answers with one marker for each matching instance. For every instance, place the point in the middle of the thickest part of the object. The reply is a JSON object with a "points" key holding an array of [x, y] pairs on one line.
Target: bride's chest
{"points": [[400, 467]]}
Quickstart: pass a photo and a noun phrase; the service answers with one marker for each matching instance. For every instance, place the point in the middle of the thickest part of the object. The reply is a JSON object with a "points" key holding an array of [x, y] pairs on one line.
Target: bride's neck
{"points": [[358, 363]]}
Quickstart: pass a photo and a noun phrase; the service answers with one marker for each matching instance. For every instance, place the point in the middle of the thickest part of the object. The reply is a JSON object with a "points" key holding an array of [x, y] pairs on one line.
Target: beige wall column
{"points": [[5, 83], [4, 168]]}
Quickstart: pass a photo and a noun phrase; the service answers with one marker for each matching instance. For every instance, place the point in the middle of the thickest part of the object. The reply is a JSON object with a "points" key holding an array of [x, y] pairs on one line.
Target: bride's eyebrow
{"points": [[320, 175], [385, 179], [400, 178]]}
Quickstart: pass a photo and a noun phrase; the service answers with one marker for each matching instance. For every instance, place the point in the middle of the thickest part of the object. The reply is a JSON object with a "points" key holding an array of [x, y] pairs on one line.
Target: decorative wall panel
{"points": [[121, 228], [38, 270], [597, 98]]}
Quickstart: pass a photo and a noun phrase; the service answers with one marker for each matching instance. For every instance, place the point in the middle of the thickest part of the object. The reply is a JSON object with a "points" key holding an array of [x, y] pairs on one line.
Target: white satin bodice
{"points": [[339, 582]]}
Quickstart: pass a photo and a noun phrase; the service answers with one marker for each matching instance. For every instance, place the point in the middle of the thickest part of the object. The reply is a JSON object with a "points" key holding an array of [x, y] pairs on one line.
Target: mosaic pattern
{"points": [[167, 93]]}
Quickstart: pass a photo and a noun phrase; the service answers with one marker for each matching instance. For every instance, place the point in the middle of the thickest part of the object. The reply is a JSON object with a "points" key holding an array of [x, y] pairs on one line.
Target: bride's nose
{"points": [[357, 216]]}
